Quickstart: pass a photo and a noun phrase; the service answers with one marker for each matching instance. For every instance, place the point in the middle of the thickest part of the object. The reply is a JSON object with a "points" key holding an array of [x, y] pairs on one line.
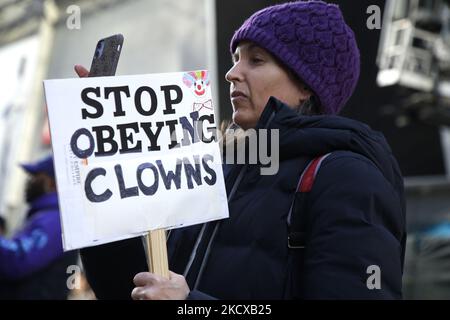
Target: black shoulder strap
{"points": [[297, 215]]}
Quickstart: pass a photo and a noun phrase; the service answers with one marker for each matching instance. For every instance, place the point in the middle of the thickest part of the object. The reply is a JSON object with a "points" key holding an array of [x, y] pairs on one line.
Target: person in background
{"points": [[32, 263]]}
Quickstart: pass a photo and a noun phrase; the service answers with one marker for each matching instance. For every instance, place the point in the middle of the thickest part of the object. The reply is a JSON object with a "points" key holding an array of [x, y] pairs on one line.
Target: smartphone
{"points": [[106, 56]]}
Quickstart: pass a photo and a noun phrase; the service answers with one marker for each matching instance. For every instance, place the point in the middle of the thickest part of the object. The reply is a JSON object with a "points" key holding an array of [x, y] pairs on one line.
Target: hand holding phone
{"points": [[106, 58], [81, 71]]}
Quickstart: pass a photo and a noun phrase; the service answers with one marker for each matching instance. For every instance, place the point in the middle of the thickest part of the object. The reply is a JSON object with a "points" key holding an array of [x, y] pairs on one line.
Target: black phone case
{"points": [[106, 56]]}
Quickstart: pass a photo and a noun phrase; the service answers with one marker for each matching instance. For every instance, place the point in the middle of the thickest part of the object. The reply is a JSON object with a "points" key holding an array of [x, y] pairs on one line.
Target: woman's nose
{"points": [[234, 74]]}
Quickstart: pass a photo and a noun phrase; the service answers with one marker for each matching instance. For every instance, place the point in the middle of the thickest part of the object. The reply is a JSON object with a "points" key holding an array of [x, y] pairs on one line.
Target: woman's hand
{"points": [[81, 71], [150, 286]]}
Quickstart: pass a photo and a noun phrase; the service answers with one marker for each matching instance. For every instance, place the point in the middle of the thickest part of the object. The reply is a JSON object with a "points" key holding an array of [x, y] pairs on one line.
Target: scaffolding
{"points": [[411, 45]]}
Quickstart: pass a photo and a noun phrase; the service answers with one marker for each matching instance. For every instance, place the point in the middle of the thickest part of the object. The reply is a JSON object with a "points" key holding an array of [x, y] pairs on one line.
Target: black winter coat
{"points": [[354, 216]]}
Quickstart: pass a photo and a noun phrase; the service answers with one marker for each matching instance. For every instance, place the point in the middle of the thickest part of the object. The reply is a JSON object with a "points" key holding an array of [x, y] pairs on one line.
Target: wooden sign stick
{"points": [[157, 253]]}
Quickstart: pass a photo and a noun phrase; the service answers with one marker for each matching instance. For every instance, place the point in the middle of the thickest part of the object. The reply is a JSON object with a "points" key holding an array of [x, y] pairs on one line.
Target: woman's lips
{"points": [[237, 95]]}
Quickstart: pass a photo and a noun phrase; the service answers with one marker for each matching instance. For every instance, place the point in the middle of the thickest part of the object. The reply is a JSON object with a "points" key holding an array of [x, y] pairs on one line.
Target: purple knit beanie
{"points": [[313, 40]]}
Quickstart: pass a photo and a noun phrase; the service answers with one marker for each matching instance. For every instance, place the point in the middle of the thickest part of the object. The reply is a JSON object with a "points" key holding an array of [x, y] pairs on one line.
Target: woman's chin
{"points": [[243, 120], [237, 118]]}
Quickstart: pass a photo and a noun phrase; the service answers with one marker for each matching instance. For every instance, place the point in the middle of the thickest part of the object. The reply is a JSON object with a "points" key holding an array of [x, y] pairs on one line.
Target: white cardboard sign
{"points": [[133, 154]]}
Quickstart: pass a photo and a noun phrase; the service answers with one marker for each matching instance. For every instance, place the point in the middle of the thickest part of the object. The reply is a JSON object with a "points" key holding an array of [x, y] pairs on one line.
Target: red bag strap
{"points": [[309, 175]]}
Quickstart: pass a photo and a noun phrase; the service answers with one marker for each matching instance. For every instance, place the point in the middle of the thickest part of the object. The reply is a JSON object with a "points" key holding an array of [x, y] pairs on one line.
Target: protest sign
{"points": [[133, 154]]}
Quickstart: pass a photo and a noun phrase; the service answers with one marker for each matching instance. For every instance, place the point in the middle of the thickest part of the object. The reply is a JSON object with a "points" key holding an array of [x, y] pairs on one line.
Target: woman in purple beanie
{"points": [[330, 223]]}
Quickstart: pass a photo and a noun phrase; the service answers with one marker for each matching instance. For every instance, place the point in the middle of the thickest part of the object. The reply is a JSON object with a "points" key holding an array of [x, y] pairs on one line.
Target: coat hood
{"points": [[318, 135]]}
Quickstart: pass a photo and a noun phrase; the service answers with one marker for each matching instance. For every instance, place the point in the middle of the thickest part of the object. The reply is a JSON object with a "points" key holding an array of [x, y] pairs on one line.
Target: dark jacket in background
{"points": [[354, 215]]}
